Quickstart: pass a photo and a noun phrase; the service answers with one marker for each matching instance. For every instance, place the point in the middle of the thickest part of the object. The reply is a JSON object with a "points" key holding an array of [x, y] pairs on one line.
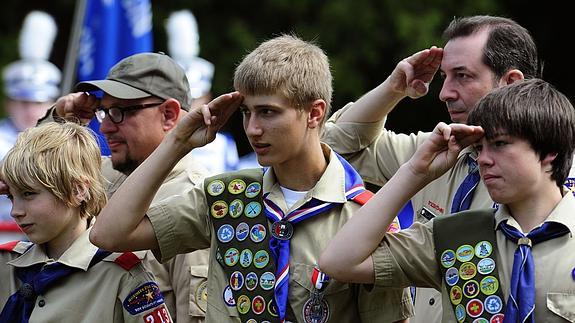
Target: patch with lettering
{"points": [[143, 298]]}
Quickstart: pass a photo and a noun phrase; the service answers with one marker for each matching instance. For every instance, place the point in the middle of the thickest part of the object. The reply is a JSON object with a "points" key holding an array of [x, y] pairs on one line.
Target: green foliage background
{"points": [[363, 38]]}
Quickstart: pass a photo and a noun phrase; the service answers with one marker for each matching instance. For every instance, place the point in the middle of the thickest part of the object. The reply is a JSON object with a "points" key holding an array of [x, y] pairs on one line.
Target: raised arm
{"points": [[431, 160], [411, 77], [122, 224], [75, 107]]}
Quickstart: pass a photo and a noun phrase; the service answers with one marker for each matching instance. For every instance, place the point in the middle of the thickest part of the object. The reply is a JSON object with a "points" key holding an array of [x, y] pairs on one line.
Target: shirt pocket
{"points": [[198, 290], [562, 304]]}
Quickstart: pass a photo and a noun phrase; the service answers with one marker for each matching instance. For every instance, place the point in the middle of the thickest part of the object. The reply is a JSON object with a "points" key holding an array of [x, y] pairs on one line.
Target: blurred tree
{"points": [[363, 38]]}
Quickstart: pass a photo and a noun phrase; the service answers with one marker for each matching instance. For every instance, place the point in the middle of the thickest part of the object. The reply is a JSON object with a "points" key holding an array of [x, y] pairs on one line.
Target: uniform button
{"points": [[431, 301], [41, 303]]}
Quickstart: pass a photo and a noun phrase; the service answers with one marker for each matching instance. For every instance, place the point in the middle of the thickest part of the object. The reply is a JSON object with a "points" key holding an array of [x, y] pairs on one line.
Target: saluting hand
{"points": [[77, 107], [200, 125], [439, 152], [413, 74]]}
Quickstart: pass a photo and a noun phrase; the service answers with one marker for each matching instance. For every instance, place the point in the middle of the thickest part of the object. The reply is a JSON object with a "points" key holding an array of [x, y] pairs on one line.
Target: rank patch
{"points": [[143, 298]]}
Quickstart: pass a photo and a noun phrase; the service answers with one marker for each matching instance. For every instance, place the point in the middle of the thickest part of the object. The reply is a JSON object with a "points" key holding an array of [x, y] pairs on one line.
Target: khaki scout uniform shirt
{"points": [[182, 223], [92, 294], [183, 279], [377, 154], [408, 258]]}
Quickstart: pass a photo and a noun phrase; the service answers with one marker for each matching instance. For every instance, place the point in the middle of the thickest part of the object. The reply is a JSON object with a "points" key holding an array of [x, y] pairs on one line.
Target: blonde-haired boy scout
{"points": [[265, 227], [52, 176], [144, 95]]}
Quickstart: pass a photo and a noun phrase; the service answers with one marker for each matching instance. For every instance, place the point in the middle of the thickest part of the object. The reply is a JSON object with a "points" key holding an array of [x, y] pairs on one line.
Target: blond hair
{"points": [[63, 158], [287, 65]]}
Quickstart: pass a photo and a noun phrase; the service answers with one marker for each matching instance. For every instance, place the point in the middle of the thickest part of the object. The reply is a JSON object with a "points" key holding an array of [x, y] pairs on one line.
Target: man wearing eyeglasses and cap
{"points": [[144, 96]]}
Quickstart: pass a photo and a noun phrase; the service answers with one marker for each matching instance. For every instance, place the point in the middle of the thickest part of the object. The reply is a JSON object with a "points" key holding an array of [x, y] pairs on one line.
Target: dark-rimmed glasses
{"points": [[116, 114]]}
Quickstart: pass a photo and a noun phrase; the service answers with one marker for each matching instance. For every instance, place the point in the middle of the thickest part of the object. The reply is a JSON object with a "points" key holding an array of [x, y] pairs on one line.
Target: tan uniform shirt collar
{"points": [[78, 255], [562, 213], [329, 188]]}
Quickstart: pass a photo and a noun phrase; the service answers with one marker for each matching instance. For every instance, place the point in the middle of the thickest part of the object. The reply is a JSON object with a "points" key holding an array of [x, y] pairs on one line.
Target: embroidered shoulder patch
{"points": [[143, 298]]}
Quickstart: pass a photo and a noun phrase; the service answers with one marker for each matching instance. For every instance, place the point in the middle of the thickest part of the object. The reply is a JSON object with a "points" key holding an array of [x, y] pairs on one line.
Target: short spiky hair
{"points": [[58, 156], [535, 111], [286, 65]]}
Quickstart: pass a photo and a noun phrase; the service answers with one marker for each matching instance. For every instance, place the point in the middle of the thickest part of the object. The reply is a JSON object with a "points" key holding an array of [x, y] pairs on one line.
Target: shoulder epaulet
{"points": [[126, 260], [16, 246], [362, 197]]}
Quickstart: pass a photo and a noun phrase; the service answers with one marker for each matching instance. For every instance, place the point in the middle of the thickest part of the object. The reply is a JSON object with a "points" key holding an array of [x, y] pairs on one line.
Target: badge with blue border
{"points": [[253, 209], [219, 209], [236, 280], [452, 276], [242, 231], [570, 184], [228, 297], [143, 298], [267, 280], [465, 253], [253, 190], [261, 259], [225, 233], [483, 249], [216, 187], [493, 304], [236, 186], [448, 258]]}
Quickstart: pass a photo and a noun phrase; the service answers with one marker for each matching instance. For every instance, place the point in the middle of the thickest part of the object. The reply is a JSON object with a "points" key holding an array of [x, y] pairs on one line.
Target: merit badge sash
{"points": [[466, 250], [236, 211]]}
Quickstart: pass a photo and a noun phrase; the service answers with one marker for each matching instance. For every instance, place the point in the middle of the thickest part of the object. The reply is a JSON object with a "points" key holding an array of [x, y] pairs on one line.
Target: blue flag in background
{"points": [[112, 30]]}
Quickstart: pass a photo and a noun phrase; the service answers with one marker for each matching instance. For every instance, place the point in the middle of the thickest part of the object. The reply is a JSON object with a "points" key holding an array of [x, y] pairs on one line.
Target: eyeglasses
{"points": [[116, 114]]}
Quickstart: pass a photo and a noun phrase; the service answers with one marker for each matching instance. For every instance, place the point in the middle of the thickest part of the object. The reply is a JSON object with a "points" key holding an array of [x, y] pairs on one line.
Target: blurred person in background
{"points": [[221, 155], [31, 85]]}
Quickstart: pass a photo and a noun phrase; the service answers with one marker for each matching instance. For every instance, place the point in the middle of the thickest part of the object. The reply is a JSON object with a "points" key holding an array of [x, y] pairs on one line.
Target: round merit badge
{"points": [[201, 295], [236, 186], [261, 259], [282, 230], [228, 296], [236, 208], [219, 209], [258, 233], [465, 253], [246, 258], [448, 258], [267, 280], [315, 310], [216, 187], [225, 233], [483, 249], [253, 209], [242, 231], [253, 189], [231, 257], [236, 280], [251, 281], [258, 305], [244, 304]]}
